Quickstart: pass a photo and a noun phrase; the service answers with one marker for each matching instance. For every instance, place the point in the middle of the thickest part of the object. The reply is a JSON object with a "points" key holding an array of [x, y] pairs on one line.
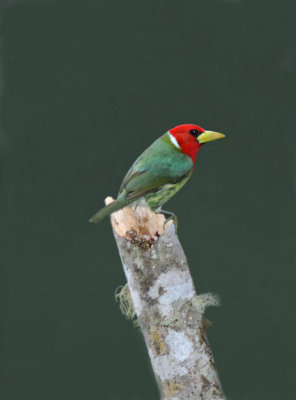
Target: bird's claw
{"points": [[172, 217]]}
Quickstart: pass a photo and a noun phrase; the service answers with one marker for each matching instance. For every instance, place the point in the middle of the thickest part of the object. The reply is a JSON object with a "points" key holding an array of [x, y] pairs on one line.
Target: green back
{"points": [[160, 164]]}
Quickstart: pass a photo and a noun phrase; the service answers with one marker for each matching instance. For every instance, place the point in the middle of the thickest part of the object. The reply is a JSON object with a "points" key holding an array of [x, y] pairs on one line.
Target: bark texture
{"points": [[169, 312]]}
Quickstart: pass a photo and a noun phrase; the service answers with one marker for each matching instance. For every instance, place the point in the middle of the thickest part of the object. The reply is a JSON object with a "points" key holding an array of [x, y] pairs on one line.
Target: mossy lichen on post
{"points": [[126, 305]]}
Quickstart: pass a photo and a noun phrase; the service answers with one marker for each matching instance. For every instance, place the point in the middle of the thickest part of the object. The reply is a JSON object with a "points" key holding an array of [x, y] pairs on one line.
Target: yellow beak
{"points": [[209, 136]]}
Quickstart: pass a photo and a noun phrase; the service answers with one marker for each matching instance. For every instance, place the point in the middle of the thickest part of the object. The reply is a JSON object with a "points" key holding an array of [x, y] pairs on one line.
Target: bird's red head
{"points": [[186, 136], [190, 138]]}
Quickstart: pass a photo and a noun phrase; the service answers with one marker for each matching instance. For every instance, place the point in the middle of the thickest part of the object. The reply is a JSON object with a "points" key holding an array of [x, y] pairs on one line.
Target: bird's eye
{"points": [[194, 132]]}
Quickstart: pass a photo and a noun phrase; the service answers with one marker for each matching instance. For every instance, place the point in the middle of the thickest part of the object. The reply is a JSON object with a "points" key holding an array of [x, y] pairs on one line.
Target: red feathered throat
{"points": [[186, 140]]}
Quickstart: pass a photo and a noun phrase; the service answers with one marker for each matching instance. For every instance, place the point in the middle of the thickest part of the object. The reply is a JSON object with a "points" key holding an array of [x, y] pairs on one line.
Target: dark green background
{"points": [[88, 85]]}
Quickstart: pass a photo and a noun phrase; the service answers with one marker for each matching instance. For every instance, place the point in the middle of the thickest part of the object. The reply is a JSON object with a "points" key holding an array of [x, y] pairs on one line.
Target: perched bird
{"points": [[161, 170]]}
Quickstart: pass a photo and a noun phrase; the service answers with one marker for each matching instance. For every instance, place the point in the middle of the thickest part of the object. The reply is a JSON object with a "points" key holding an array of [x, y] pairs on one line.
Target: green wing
{"points": [[157, 166]]}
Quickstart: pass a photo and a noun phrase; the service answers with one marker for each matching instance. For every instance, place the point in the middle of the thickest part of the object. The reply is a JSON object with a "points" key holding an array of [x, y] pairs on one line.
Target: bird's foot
{"points": [[170, 216]]}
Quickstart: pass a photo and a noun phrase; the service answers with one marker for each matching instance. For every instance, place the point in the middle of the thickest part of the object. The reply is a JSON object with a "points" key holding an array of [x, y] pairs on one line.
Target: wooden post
{"points": [[169, 312]]}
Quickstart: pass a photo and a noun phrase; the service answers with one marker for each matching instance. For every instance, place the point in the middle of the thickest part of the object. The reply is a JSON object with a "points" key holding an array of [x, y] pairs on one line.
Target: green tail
{"points": [[107, 210]]}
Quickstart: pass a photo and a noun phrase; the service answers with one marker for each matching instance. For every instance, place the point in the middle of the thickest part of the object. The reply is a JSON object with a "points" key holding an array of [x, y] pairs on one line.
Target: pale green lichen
{"points": [[179, 318], [202, 301], [126, 305]]}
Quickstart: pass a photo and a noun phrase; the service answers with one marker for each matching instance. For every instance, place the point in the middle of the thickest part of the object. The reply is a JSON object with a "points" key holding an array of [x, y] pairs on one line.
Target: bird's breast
{"points": [[157, 199]]}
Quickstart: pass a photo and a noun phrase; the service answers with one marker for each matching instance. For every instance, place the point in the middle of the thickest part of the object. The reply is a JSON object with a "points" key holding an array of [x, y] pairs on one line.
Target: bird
{"points": [[161, 170]]}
